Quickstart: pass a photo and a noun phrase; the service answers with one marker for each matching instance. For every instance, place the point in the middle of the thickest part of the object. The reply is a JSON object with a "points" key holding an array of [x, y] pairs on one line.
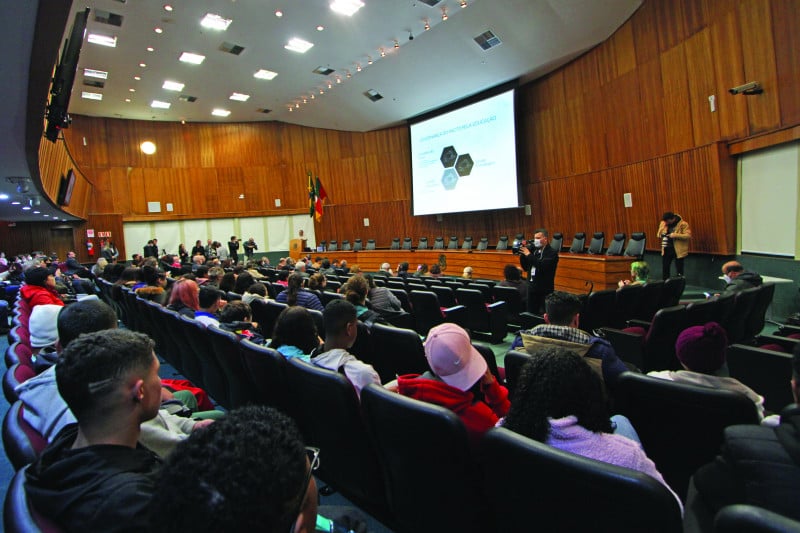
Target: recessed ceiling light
{"points": [[45, 215], [137, 78], [15, 203], [3, 197], [158, 104], [148, 147], [220, 112], [37, 212], [143, 65], [215, 22], [264, 74], [132, 90], [167, 7], [298, 45], [158, 30], [128, 100], [239, 97], [92, 73], [320, 27], [346, 7], [103, 40], [151, 49], [26, 208], [279, 13], [195, 59], [91, 96], [172, 86]]}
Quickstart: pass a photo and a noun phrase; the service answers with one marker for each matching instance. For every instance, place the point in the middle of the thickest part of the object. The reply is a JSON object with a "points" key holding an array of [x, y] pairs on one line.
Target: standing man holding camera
{"points": [[540, 264], [674, 233], [233, 249]]}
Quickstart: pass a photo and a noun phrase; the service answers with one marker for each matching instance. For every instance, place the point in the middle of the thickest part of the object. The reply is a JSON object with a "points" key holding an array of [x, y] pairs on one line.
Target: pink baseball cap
{"points": [[452, 357]]}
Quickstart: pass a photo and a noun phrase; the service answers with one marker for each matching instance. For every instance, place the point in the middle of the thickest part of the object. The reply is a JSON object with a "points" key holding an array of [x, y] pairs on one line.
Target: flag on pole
{"points": [[316, 197], [311, 195]]}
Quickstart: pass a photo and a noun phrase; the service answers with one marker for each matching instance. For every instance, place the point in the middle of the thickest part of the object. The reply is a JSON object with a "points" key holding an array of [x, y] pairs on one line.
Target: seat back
{"points": [[226, 348], [402, 295], [628, 298], [702, 312], [487, 322], [673, 290], [596, 244], [467, 244], [194, 338], [615, 248], [395, 244], [598, 310], [19, 516], [446, 296], [767, 372], [557, 241], [659, 343], [414, 472], [453, 243], [737, 518], [438, 243], [636, 245], [323, 245], [649, 300], [396, 351], [329, 417], [370, 244], [266, 314], [511, 297], [427, 312], [333, 246], [681, 426], [736, 325], [578, 243], [346, 246], [407, 243], [483, 244], [422, 244], [267, 373], [21, 441], [755, 320], [214, 380], [357, 245], [621, 498], [502, 243]]}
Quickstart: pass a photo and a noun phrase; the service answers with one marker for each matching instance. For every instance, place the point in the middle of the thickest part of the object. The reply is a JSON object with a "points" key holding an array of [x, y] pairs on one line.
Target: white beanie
{"points": [[43, 325]]}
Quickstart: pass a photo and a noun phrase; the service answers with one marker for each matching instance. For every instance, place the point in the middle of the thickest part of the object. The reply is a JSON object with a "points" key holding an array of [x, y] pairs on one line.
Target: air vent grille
{"points": [[487, 40]]}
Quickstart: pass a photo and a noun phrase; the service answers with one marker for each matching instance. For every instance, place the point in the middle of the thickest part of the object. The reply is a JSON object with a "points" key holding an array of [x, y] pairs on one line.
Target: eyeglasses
{"points": [[313, 458]]}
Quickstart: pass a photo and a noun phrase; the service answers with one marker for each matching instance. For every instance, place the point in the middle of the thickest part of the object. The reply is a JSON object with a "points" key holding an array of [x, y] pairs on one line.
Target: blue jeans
{"points": [[622, 426]]}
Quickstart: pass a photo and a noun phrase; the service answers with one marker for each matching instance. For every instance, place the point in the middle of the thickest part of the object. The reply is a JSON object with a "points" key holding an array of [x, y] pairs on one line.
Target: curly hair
{"points": [[235, 311], [295, 327], [555, 383], [357, 290], [242, 473]]}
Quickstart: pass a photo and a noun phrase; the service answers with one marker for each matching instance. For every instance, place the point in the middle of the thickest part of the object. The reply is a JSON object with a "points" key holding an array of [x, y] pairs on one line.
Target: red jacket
{"points": [[36, 295], [478, 416]]}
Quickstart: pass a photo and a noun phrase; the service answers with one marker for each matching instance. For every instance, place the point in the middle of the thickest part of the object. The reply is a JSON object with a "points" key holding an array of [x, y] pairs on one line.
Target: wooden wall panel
{"points": [[759, 64], [699, 71], [786, 30]]}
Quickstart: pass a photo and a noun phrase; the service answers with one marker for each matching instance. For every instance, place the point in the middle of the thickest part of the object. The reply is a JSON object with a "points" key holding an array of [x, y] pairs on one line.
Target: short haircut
{"points": [[244, 280], [336, 316], [402, 267], [326, 263], [85, 316], [92, 366], [235, 311], [511, 273], [245, 472], [733, 267], [202, 271], [561, 307], [295, 327], [257, 288], [436, 269], [209, 296], [640, 270], [556, 383], [542, 231]]}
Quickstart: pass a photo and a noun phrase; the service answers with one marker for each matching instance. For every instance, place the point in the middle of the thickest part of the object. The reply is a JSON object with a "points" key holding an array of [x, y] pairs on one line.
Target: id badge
{"points": [[533, 272]]}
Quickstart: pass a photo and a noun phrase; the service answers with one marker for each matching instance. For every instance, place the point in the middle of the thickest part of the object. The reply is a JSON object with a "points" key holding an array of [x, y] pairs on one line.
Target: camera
{"points": [[748, 88], [517, 244]]}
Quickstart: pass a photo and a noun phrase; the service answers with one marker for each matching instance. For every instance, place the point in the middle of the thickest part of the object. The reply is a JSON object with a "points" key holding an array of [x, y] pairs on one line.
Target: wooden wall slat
{"points": [[759, 65], [786, 31]]}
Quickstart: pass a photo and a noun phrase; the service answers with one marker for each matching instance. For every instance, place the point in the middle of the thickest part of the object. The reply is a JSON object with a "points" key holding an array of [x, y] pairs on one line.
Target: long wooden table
{"points": [[574, 270]]}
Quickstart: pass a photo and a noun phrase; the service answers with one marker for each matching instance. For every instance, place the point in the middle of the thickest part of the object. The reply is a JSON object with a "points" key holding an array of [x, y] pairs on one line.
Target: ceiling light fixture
{"points": [[320, 27], [383, 52], [305, 100], [137, 78], [297, 106], [172, 85], [330, 85], [148, 147], [215, 22], [158, 30], [346, 7], [132, 90], [158, 104], [220, 112], [312, 96], [103, 40], [358, 67], [91, 96], [92, 73], [264, 74], [321, 91], [37, 212], [291, 109], [396, 44], [195, 59], [150, 49], [279, 13], [26, 208], [239, 97], [3, 196], [348, 74], [128, 100], [338, 79], [15, 202], [369, 60], [444, 13], [463, 3], [427, 25], [143, 65], [298, 45], [167, 7]]}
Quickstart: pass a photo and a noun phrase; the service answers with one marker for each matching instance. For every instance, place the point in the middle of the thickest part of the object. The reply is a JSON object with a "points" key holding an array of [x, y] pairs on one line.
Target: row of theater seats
{"points": [[635, 247]]}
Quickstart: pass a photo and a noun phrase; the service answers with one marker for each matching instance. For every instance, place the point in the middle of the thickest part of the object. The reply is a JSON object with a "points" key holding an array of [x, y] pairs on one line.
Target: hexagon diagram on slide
{"points": [[448, 157], [449, 179], [464, 165]]}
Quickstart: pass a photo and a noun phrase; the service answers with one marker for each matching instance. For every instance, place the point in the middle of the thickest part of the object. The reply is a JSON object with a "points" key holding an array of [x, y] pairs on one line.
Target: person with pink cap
{"points": [[459, 379]]}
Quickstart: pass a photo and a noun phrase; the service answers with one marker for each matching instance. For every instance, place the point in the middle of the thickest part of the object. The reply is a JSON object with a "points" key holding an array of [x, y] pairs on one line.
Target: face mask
{"points": [[727, 278], [537, 243]]}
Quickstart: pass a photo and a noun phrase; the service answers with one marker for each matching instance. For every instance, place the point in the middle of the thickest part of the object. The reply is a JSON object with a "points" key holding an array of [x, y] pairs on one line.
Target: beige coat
{"points": [[680, 236]]}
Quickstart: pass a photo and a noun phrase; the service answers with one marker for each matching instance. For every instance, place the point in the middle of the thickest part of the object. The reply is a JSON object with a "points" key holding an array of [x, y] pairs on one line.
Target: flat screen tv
{"points": [[464, 156], [65, 188]]}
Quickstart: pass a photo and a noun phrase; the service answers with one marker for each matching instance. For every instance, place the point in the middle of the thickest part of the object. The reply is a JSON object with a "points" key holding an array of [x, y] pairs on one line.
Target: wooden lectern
{"points": [[296, 247]]}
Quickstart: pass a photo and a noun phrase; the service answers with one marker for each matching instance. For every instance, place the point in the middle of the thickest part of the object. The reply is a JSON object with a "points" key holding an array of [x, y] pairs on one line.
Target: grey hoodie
{"points": [[359, 373]]}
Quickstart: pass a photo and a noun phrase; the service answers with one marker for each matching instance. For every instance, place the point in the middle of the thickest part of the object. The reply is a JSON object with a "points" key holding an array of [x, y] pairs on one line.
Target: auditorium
{"points": [[495, 190]]}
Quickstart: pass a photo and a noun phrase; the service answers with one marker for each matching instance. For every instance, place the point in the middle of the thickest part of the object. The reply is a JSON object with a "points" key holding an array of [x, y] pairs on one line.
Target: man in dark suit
{"points": [[540, 263]]}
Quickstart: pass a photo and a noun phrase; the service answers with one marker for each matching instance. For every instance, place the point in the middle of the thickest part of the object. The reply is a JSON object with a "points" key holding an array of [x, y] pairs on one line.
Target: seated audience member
{"points": [[209, 301], [300, 269], [39, 288], [153, 286], [237, 317], [640, 270], [48, 413], [228, 282], [183, 297], [252, 269], [249, 472], [402, 270], [73, 267], [467, 272], [701, 351], [295, 294], [95, 476], [129, 277], [317, 282], [738, 279], [459, 379], [113, 271], [559, 400], [99, 266], [382, 300], [326, 268], [355, 291], [341, 331], [757, 465], [256, 291], [42, 328], [385, 270], [561, 329], [513, 278], [436, 271], [214, 275], [344, 268], [295, 333], [243, 281]]}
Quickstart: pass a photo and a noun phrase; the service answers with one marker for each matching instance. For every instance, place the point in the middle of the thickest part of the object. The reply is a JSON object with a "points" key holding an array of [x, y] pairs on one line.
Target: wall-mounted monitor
{"points": [[464, 156], [65, 188]]}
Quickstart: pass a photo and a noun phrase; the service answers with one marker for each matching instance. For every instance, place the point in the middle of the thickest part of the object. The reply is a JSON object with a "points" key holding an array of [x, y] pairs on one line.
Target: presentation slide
{"points": [[466, 159]]}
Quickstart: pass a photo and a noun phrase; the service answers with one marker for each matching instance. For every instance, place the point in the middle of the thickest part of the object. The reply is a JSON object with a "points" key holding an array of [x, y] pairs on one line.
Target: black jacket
{"points": [[745, 280], [545, 261], [97, 488]]}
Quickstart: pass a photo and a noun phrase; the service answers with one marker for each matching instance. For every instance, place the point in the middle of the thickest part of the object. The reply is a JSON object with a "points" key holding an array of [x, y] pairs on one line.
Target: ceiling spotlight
{"points": [[26, 208], [358, 67], [348, 74], [158, 30], [338, 79], [463, 3], [330, 85], [320, 27], [369, 60], [321, 91], [151, 49], [167, 7], [291, 109], [305, 100], [444, 13], [312, 96], [383, 52], [297, 106], [427, 25], [3, 196], [396, 44], [143, 65], [279, 13], [148, 147], [15, 202]]}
